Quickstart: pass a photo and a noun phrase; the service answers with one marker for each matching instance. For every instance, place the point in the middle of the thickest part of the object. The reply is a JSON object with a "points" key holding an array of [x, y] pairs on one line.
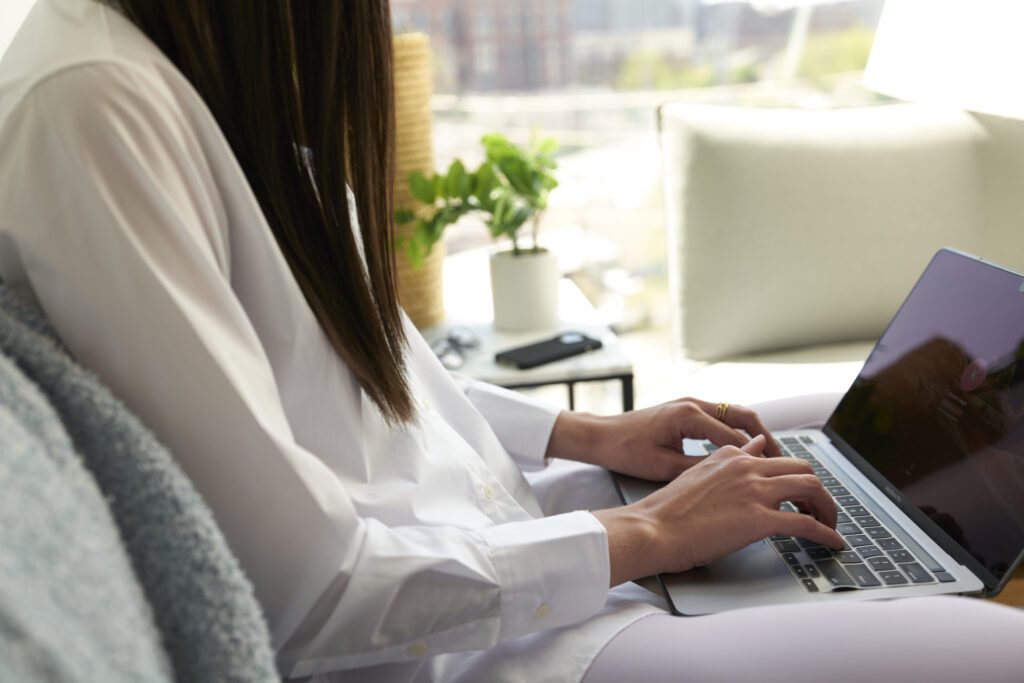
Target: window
{"points": [[592, 72]]}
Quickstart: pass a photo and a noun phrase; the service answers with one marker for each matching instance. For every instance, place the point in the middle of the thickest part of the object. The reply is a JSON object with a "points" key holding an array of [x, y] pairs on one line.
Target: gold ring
{"points": [[721, 410]]}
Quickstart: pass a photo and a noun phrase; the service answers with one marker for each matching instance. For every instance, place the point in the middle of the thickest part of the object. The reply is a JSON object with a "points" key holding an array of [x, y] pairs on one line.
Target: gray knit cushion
{"points": [[212, 627], [70, 606]]}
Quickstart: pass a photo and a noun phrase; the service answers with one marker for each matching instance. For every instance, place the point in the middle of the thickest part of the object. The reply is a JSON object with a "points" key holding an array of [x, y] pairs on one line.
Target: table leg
{"points": [[627, 393], [572, 394]]}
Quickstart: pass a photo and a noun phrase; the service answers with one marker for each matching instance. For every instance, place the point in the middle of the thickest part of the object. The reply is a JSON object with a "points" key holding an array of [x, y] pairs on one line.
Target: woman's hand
{"points": [[726, 502], [648, 443]]}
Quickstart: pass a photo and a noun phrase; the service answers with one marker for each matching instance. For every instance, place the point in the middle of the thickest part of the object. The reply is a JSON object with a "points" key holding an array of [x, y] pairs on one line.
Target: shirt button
{"points": [[419, 648], [542, 612], [488, 491]]}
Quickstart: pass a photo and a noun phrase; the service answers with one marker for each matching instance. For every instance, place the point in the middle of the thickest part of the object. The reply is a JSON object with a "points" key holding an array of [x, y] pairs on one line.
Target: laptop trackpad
{"points": [[747, 578]]}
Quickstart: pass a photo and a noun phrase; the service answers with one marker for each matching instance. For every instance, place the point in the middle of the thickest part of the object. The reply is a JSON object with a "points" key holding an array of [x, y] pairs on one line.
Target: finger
{"points": [[747, 420], [802, 526], [700, 425], [755, 446], [807, 489], [776, 467], [743, 418]]}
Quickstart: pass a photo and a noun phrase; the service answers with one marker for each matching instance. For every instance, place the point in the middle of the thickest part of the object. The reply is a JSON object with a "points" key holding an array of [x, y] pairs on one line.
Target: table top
{"points": [[467, 300]]}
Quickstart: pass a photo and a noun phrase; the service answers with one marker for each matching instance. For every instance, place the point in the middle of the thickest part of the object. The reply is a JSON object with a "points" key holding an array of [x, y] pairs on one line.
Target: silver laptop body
{"points": [[945, 517]]}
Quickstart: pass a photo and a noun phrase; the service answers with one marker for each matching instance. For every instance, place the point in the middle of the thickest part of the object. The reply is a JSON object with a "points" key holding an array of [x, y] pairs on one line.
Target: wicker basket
{"points": [[419, 289]]}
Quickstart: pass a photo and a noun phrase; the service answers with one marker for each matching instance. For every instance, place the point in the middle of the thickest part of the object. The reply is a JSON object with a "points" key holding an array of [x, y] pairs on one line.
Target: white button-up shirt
{"points": [[124, 213]]}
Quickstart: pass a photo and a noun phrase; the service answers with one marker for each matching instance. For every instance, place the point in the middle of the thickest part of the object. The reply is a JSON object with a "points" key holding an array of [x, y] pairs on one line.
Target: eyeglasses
{"points": [[450, 350]]}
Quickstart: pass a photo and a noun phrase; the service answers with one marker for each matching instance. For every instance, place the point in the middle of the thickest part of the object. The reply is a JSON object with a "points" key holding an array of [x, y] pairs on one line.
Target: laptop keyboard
{"points": [[872, 557]]}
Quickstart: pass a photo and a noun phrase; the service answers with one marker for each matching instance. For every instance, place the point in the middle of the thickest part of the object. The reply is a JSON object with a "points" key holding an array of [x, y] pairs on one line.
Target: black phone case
{"points": [[564, 345]]}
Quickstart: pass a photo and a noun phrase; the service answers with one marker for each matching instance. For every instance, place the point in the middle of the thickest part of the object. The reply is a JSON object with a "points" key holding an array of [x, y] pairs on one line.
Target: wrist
{"points": [[631, 536], [577, 436]]}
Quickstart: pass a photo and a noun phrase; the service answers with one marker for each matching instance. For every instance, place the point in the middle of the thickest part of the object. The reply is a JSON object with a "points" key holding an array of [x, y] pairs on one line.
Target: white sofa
{"points": [[795, 235]]}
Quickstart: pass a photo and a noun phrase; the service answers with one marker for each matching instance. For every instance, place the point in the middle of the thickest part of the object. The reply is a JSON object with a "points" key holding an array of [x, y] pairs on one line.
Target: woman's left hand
{"points": [[648, 443]]}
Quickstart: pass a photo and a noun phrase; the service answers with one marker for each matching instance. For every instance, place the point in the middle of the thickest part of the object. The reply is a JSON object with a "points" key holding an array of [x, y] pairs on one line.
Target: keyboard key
{"points": [[842, 518], [858, 540], [878, 532], [799, 571], [813, 571], [847, 557], [868, 521], [901, 556], [809, 585], [808, 543], [881, 564], [848, 501], [787, 507], [838, 491], [944, 577], [890, 544], [782, 538], [868, 551], [856, 510], [863, 576], [790, 558], [818, 553], [893, 578], [848, 529], [807, 439], [820, 472], [787, 547], [829, 481], [835, 573], [916, 572]]}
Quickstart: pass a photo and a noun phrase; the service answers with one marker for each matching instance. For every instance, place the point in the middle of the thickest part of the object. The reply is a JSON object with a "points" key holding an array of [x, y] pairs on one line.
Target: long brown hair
{"points": [[303, 93]]}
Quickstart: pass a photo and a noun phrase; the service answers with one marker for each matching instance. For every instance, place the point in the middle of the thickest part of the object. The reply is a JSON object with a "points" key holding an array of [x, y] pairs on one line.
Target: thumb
{"points": [[755, 446]]}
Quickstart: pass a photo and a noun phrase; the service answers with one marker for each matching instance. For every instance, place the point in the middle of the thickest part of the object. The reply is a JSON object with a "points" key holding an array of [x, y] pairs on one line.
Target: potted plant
{"points": [[510, 190]]}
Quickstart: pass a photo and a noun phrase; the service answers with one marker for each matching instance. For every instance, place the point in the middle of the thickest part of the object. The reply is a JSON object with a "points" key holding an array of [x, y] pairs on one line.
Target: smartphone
{"points": [[563, 346]]}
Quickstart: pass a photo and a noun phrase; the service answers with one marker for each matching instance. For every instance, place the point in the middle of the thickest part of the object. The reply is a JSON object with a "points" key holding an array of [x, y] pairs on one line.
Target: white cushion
{"points": [[792, 228]]}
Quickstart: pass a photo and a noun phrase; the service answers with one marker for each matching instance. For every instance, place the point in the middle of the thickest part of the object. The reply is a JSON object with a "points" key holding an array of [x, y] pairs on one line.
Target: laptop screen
{"points": [[938, 408]]}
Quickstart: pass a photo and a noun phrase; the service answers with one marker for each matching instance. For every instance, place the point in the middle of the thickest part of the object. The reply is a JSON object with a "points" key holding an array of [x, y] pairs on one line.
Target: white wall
{"points": [[12, 13]]}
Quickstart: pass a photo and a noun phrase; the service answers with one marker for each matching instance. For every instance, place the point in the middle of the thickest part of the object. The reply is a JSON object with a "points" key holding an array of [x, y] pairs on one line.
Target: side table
{"points": [[467, 299]]}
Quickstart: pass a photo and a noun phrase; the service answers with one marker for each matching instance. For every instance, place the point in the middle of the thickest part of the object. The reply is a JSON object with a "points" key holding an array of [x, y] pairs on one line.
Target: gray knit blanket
{"points": [[94, 592]]}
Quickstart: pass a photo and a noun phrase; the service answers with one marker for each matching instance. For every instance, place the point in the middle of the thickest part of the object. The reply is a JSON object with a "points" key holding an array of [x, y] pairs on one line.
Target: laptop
{"points": [[924, 456]]}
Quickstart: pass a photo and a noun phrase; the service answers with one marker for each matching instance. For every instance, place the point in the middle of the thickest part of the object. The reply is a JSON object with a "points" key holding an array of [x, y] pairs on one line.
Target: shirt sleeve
{"points": [[110, 204], [523, 424]]}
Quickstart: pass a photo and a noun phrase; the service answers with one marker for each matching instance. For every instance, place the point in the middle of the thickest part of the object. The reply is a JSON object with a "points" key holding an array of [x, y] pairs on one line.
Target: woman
{"points": [[173, 192]]}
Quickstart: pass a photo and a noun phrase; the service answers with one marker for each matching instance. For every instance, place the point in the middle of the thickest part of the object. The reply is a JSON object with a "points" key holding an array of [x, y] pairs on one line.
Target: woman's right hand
{"points": [[725, 503]]}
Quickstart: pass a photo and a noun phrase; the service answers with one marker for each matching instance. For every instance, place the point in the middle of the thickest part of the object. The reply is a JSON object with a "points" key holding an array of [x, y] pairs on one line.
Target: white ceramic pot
{"points": [[525, 290]]}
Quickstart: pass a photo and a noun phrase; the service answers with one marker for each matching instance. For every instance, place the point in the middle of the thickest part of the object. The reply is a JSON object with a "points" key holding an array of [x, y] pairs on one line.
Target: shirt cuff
{"points": [[523, 424], [552, 571]]}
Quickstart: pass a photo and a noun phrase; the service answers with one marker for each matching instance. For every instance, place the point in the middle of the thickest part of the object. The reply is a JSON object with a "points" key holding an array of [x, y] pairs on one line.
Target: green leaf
{"points": [[422, 188], [517, 172], [486, 182], [460, 183], [417, 253], [519, 217], [502, 206], [545, 147]]}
